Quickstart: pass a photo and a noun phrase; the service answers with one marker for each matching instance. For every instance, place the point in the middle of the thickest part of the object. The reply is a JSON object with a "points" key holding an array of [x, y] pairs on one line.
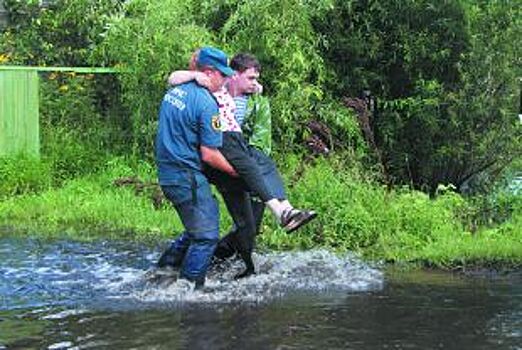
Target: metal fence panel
{"points": [[19, 120]]}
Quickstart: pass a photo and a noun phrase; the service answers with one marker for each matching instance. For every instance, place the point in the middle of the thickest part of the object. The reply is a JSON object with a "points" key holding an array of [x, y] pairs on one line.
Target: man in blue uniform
{"points": [[249, 162], [189, 135]]}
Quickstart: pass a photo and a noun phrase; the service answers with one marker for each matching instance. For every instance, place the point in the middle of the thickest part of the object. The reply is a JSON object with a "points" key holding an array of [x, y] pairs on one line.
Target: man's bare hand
{"points": [[203, 80], [259, 88], [214, 158]]}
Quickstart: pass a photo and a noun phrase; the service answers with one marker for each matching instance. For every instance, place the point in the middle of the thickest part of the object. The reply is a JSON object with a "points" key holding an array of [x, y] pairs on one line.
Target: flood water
{"points": [[106, 295]]}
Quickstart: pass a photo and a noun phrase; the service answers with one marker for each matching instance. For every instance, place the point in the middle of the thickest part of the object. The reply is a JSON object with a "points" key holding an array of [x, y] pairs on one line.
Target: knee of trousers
{"points": [[204, 237]]}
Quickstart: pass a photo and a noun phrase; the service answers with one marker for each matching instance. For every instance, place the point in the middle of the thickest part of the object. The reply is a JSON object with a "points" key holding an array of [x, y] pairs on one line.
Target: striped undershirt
{"points": [[241, 108]]}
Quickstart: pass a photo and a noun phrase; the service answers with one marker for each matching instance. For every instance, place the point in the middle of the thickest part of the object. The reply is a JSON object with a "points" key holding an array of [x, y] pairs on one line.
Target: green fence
{"points": [[19, 130], [19, 103]]}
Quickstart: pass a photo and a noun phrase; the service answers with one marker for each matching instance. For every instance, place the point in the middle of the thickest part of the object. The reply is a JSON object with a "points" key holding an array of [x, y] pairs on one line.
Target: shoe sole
{"points": [[301, 223]]}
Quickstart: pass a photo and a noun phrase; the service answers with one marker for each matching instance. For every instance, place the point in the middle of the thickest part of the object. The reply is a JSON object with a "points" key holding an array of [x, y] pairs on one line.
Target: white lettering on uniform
{"points": [[174, 101], [178, 92]]}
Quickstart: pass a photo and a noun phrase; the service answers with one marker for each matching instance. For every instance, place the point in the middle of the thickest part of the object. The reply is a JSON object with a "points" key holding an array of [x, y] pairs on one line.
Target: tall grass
{"points": [[355, 214], [399, 225]]}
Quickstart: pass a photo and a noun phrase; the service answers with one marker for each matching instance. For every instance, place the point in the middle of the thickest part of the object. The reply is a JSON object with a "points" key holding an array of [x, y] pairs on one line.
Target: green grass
{"points": [[93, 206], [90, 206], [402, 226], [399, 225]]}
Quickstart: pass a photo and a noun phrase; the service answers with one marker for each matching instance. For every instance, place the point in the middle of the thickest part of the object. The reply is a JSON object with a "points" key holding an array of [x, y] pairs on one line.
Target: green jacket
{"points": [[257, 126]]}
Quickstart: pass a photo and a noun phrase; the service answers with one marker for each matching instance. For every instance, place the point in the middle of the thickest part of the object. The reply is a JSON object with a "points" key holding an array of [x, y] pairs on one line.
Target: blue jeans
{"points": [[270, 173], [199, 213]]}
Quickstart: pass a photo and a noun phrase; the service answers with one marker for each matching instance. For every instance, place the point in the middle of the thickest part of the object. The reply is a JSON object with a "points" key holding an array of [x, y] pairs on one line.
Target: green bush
{"points": [[387, 46], [357, 213], [400, 225], [502, 203], [61, 33], [22, 175], [147, 44], [446, 75], [87, 206], [345, 129], [76, 137]]}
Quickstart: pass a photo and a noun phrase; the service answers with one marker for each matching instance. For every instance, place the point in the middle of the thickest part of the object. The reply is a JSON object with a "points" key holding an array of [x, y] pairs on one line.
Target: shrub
{"points": [[76, 136], [23, 174], [446, 78], [60, 33], [147, 44], [359, 214]]}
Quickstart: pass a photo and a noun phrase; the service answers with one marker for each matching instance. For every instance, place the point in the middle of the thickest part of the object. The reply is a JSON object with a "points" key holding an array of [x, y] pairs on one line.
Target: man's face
{"points": [[246, 81], [216, 79]]}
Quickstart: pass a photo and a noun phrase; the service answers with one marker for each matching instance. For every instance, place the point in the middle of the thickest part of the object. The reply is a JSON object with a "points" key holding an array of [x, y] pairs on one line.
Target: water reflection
{"points": [[98, 295]]}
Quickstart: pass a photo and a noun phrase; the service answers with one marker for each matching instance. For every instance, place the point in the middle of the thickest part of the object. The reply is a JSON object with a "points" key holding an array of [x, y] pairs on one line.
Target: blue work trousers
{"points": [[199, 213]]}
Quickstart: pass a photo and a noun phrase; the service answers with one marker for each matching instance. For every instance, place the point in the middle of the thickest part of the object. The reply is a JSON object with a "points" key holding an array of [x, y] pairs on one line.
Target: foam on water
{"points": [[113, 274], [63, 314], [278, 274]]}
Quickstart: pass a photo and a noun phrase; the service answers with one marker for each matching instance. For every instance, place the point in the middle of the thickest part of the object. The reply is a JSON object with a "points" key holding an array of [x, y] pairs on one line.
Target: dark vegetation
{"points": [[397, 120]]}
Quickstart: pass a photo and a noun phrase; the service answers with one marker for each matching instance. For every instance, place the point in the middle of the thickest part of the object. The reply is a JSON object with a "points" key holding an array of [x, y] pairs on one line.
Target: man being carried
{"points": [[255, 167]]}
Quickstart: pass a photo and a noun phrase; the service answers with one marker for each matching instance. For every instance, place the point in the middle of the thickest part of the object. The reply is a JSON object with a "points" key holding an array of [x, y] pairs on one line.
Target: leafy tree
{"points": [[61, 33], [387, 46], [446, 77], [453, 135], [149, 41]]}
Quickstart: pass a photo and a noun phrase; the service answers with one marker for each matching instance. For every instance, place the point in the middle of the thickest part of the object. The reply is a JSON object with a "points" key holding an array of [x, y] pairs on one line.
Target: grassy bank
{"points": [[89, 205], [355, 214], [429, 117]]}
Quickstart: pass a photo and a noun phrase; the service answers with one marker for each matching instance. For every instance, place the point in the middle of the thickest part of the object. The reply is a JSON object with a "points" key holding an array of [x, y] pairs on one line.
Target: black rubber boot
{"points": [[246, 256], [171, 259], [199, 284], [226, 247]]}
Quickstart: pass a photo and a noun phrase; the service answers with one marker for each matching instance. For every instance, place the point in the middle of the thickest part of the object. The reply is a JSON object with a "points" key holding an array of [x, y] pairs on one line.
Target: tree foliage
{"points": [[61, 33], [147, 42], [445, 73], [157, 42], [386, 46]]}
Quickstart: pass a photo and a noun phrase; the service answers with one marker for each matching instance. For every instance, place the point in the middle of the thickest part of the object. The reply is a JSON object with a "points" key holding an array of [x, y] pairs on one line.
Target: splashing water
{"points": [[121, 274], [63, 294], [277, 275]]}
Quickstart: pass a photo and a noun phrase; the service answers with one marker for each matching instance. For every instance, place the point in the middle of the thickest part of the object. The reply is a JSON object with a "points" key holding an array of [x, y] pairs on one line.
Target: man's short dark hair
{"points": [[243, 61]]}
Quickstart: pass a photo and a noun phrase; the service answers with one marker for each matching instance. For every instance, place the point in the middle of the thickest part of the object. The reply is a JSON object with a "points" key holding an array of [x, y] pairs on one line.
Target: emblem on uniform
{"points": [[216, 122]]}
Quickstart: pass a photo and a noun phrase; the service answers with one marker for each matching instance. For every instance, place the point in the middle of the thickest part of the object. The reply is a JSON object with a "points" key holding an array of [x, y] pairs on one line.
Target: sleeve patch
{"points": [[216, 123]]}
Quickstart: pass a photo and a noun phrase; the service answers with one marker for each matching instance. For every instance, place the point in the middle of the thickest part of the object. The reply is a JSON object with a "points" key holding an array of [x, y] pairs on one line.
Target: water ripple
{"points": [[36, 273], [278, 274]]}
